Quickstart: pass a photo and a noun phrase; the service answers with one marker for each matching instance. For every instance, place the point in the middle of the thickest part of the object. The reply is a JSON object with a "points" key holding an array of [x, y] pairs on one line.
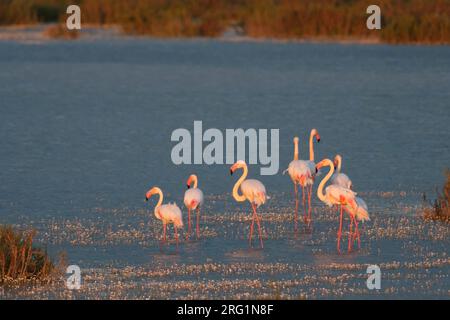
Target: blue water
{"points": [[85, 131], [88, 123]]}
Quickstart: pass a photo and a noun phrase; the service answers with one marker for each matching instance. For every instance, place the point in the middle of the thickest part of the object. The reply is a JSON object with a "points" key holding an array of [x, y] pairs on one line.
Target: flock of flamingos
{"points": [[302, 172]]}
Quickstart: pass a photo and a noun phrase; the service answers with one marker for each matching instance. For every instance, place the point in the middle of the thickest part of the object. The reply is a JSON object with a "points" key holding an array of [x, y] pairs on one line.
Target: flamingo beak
{"points": [[148, 195], [318, 138], [188, 186], [231, 172]]}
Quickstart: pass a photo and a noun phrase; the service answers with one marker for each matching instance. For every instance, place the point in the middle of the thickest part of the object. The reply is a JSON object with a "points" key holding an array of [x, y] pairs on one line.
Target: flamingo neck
{"points": [[295, 150], [311, 146], [160, 201], [339, 164], [194, 177], [320, 193], [236, 196]]}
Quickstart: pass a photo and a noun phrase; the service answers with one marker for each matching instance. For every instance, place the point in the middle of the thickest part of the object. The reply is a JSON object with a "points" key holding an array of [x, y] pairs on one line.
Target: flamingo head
{"points": [[324, 163], [315, 134], [337, 160], [192, 178], [151, 192], [178, 223], [296, 139], [237, 165]]}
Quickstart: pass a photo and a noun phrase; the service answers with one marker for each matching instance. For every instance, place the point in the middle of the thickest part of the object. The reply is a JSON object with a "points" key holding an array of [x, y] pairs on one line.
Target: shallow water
{"points": [[85, 130]]}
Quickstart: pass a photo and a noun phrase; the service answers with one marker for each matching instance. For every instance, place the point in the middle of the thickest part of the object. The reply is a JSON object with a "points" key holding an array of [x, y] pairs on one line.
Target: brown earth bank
{"points": [[412, 21]]}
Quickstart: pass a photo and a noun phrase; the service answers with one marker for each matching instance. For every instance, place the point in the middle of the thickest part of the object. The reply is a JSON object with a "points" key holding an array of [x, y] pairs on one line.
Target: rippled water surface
{"points": [[85, 130]]}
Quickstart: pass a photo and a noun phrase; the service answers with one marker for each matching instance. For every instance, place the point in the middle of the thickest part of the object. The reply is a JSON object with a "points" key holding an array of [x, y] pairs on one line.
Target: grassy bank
{"points": [[404, 21], [20, 260], [440, 208]]}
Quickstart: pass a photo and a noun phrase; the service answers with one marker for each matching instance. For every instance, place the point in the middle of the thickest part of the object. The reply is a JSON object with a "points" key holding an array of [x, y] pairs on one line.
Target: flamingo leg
{"points": [[189, 223], [357, 235], [259, 225], [164, 233], [309, 204], [350, 235], [296, 205], [339, 232], [198, 218], [176, 234], [304, 204], [251, 230], [165, 229]]}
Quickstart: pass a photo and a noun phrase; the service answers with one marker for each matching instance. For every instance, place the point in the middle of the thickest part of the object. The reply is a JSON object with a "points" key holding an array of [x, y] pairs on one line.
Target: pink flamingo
{"points": [[361, 211], [253, 191], [339, 178], [358, 213], [167, 213], [303, 173], [193, 200], [339, 196]]}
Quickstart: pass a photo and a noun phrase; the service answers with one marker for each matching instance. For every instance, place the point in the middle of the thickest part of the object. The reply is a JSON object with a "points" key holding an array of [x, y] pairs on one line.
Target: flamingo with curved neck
{"points": [[167, 213], [340, 196], [253, 191]]}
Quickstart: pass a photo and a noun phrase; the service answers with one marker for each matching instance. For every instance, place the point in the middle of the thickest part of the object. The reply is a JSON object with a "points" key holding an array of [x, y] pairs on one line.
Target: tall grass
{"points": [[440, 208], [403, 21], [19, 259]]}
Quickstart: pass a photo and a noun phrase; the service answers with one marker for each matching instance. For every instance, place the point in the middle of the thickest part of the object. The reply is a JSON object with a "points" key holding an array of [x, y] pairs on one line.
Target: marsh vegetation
{"points": [[20, 260], [412, 21]]}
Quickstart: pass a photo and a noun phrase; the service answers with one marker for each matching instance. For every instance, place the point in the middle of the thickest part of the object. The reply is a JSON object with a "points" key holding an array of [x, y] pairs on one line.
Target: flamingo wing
{"points": [[362, 211], [193, 198], [300, 172], [341, 179], [334, 194], [171, 213], [254, 191]]}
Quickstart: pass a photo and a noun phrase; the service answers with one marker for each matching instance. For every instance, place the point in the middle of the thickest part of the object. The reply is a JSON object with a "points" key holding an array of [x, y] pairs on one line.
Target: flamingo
{"points": [[253, 191], [167, 213], [193, 200], [338, 178], [303, 173], [340, 196], [361, 213]]}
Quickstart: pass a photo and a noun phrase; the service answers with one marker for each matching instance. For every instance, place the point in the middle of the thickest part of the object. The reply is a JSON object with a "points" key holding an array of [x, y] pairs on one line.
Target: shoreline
{"points": [[39, 33]]}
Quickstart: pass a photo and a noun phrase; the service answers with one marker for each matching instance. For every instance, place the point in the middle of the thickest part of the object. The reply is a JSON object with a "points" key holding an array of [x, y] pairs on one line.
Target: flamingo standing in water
{"points": [[339, 178], [193, 200], [361, 213], [253, 191], [303, 173], [339, 196], [167, 213]]}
